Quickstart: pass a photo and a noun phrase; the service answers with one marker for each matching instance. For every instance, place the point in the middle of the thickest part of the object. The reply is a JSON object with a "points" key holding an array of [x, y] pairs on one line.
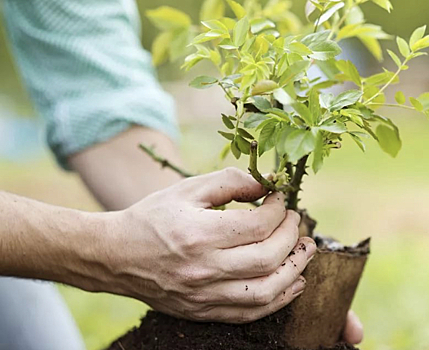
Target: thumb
{"points": [[222, 187]]}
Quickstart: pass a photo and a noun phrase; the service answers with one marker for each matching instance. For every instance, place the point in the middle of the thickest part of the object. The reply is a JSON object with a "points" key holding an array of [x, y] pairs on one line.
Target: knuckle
{"points": [[263, 297], [266, 265], [233, 172], [195, 276]]}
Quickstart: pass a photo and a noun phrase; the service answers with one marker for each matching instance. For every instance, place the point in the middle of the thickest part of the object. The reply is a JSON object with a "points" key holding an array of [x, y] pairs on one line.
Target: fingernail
{"points": [[310, 248], [298, 286]]}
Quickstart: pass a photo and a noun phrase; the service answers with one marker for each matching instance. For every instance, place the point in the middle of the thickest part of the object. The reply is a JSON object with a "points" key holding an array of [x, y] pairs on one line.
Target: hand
{"points": [[177, 254], [353, 332]]}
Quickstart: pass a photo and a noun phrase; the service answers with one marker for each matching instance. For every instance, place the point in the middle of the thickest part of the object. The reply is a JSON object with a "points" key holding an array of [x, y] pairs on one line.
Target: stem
{"points": [[300, 171], [388, 83], [391, 105], [164, 162], [338, 25], [228, 93], [253, 168]]}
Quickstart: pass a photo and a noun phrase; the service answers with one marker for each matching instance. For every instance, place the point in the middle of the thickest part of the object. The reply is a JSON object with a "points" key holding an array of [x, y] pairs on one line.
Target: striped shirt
{"points": [[86, 71]]}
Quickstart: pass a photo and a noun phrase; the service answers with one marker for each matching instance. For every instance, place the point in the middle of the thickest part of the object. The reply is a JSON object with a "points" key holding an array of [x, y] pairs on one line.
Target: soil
{"points": [[162, 332]]}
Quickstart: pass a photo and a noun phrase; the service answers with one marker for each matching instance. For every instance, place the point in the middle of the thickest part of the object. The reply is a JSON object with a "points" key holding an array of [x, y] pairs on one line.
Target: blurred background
{"points": [[355, 196]]}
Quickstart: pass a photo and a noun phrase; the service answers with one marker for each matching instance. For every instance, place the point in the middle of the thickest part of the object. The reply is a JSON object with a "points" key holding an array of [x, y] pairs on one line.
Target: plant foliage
{"points": [[263, 55]]}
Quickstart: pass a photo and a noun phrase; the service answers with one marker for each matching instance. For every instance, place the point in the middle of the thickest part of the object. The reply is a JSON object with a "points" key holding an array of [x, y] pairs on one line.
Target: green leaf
{"points": [[400, 97], [240, 31], [260, 24], [347, 98], [421, 44], [283, 97], [293, 71], [267, 137], [263, 87], [227, 135], [160, 48], [404, 49], [334, 127], [350, 70], [318, 154], [227, 122], [389, 140], [203, 82], [303, 111], [373, 46], [325, 50], [225, 151], [234, 149], [386, 4], [281, 139], [242, 144], [355, 137], [315, 39], [381, 79], [245, 134], [299, 48], [261, 103], [238, 10], [417, 104], [212, 9], [395, 58], [417, 35], [254, 120], [299, 143], [168, 18], [314, 106]]}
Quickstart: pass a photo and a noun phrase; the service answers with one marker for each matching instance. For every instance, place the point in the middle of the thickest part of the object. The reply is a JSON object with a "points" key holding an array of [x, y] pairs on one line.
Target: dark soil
{"points": [[162, 332]]}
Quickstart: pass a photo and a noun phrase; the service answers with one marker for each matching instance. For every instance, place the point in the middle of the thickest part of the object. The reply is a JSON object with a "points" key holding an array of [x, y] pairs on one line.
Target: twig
{"points": [[253, 168], [300, 171], [164, 162], [121, 346]]}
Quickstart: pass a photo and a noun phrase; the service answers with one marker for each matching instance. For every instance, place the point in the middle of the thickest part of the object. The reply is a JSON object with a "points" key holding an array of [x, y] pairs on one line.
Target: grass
{"points": [[355, 196]]}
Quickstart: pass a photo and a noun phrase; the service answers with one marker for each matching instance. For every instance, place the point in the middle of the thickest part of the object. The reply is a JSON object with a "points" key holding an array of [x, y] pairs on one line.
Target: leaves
{"points": [[264, 86], [227, 122], [325, 50], [167, 18], [254, 120], [386, 4], [238, 10], [389, 140], [299, 143], [400, 97], [267, 137], [240, 31], [403, 47], [345, 99], [203, 82], [212, 9]]}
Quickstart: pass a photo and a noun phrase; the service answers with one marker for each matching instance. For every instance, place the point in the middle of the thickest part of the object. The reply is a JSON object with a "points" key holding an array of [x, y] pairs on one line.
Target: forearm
{"points": [[45, 242], [119, 174]]}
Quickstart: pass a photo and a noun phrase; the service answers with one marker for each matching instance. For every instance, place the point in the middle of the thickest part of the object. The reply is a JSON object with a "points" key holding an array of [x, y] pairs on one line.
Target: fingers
{"points": [[262, 259], [353, 332], [233, 228], [243, 314], [221, 187], [262, 290]]}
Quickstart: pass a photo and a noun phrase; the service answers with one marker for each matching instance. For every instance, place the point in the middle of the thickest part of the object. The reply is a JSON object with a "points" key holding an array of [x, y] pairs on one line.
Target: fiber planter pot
{"points": [[315, 320]]}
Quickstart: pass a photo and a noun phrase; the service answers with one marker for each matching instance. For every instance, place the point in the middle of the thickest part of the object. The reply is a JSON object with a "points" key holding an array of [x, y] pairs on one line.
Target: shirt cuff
{"points": [[78, 123]]}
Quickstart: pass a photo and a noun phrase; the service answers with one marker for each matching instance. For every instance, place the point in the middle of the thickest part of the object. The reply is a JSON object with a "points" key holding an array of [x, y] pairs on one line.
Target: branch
{"points": [[164, 162], [300, 171], [253, 168]]}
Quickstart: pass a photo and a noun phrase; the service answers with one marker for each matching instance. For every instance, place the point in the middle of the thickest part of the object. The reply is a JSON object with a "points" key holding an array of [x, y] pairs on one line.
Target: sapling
{"points": [[263, 56], [277, 73]]}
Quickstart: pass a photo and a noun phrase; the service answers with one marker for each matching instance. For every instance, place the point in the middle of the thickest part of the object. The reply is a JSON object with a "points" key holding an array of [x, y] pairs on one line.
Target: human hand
{"points": [[353, 332], [177, 254]]}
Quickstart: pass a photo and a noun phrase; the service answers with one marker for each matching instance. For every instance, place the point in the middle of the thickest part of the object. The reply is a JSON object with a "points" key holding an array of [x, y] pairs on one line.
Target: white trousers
{"points": [[33, 316]]}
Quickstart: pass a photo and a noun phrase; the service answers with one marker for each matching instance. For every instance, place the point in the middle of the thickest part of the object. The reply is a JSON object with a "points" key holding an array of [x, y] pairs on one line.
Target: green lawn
{"points": [[355, 196]]}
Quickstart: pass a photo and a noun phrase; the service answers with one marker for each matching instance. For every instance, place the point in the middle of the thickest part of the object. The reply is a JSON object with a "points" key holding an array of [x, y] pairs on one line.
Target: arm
{"points": [[119, 174], [95, 86], [205, 265]]}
